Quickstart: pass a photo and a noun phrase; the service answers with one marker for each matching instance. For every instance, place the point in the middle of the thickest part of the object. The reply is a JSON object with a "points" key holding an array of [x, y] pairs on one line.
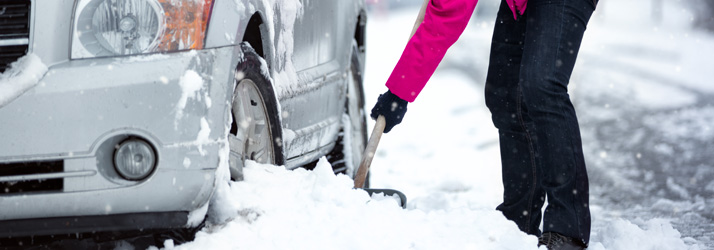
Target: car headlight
{"points": [[130, 27], [134, 159]]}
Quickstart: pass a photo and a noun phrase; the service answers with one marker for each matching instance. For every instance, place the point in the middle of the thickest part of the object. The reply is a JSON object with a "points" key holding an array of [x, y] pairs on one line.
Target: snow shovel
{"points": [[367, 161]]}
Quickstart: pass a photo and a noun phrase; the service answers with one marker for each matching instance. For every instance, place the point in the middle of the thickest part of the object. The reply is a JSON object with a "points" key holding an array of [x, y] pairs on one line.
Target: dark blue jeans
{"points": [[531, 61]]}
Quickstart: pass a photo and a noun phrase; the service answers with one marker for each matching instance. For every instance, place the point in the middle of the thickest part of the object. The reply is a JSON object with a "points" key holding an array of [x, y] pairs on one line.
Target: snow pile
{"points": [[279, 209], [658, 234], [23, 74]]}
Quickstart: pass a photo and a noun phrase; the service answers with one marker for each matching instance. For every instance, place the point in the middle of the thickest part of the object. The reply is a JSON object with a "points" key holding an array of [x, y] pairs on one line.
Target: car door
{"points": [[312, 112]]}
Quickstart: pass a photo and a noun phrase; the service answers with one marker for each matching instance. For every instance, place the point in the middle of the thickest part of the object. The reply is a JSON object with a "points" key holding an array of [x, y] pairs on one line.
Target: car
{"points": [[145, 102]]}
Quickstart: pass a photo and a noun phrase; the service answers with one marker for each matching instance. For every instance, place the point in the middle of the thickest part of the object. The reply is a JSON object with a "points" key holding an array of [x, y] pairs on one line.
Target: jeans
{"points": [[531, 61]]}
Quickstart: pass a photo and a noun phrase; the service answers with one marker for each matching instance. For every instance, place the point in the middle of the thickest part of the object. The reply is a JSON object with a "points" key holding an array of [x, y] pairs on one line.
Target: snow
{"points": [[684, 122], [677, 189], [186, 162], [193, 88], [657, 235], [146, 57], [191, 83], [203, 137], [279, 209], [274, 208], [657, 95], [283, 73], [216, 210], [669, 48], [289, 134], [196, 217], [347, 145], [280, 17], [651, 81], [22, 75]]}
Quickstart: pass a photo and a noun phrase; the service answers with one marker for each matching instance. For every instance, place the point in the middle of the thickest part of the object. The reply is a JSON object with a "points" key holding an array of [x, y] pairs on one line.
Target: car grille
{"points": [[14, 31], [27, 177]]}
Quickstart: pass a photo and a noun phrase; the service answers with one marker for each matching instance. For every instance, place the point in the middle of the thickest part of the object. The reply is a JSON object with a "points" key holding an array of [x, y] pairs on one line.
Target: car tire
{"points": [[256, 130], [354, 128]]}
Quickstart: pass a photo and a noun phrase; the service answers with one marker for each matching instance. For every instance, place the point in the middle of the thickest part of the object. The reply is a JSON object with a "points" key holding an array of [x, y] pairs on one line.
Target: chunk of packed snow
{"points": [[203, 136], [186, 162], [191, 83], [23, 74]]}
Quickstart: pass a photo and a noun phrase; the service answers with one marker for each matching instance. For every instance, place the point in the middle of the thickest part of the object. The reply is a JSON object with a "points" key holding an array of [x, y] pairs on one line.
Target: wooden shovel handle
{"points": [[369, 152]]}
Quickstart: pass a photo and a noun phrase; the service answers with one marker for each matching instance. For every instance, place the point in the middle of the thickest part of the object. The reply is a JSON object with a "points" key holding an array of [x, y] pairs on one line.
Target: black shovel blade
{"points": [[389, 192]]}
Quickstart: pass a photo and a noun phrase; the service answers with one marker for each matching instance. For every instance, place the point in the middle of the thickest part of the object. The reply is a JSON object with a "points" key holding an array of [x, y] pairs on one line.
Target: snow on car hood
{"points": [[23, 74]]}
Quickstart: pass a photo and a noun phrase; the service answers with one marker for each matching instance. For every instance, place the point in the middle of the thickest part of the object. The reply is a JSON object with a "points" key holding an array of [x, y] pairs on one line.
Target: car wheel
{"points": [[255, 130], [346, 159]]}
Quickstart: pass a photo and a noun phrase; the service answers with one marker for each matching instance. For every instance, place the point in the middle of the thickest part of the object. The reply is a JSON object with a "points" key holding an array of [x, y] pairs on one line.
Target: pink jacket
{"points": [[517, 5], [444, 21]]}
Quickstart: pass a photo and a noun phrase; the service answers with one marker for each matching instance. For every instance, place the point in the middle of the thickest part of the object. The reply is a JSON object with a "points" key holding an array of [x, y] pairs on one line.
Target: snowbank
{"points": [[23, 74], [279, 209]]}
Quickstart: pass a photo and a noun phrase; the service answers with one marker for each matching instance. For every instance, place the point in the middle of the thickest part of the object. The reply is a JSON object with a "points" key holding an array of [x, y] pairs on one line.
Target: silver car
{"points": [[145, 101]]}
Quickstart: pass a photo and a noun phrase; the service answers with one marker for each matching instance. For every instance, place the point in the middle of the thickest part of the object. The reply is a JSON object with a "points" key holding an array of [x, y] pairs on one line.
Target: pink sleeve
{"points": [[518, 7], [444, 21]]}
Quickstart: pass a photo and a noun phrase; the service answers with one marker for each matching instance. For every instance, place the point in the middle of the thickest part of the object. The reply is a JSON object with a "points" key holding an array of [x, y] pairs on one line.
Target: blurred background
{"points": [[643, 92]]}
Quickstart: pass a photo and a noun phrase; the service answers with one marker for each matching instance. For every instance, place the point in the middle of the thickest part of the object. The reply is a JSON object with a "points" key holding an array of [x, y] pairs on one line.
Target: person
{"points": [[534, 47]]}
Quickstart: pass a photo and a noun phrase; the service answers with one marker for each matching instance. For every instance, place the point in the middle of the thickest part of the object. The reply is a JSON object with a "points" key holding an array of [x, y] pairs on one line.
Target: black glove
{"points": [[391, 107]]}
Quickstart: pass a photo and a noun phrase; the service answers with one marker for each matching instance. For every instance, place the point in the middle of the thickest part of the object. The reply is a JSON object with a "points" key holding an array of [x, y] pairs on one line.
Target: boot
{"points": [[556, 241]]}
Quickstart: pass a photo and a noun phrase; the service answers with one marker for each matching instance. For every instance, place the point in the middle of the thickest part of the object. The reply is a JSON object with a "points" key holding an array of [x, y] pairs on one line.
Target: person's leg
{"points": [[523, 197], [554, 31]]}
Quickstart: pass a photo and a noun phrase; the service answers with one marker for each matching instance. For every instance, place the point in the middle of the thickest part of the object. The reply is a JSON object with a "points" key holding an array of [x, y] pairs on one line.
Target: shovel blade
{"points": [[389, 192]]}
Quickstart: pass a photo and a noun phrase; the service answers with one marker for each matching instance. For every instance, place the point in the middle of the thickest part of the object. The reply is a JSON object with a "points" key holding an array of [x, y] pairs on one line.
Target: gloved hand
{"points": [[391, 107]]}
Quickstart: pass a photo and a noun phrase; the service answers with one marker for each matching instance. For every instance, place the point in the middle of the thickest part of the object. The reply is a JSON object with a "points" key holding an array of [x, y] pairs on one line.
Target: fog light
{"points": [[134, 159]]}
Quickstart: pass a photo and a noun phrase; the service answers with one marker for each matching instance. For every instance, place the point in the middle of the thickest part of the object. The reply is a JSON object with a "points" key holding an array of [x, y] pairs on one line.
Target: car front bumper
{"points": [[91, 224], [80, 110]]}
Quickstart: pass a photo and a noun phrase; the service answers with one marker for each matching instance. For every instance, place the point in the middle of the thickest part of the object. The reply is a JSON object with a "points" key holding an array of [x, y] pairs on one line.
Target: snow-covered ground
{"points": [[642, 93], [644, 96]]}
